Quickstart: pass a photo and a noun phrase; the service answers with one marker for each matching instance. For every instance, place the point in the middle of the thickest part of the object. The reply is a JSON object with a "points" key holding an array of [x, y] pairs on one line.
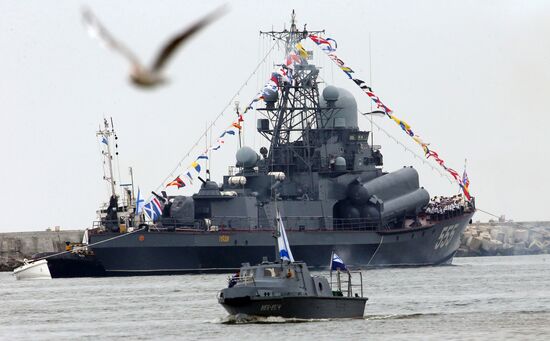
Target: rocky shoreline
{"points": [[505, 239]]}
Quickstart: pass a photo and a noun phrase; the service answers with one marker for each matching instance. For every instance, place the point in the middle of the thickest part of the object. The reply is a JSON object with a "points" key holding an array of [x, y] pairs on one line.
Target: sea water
{"points": [[482, 298]]}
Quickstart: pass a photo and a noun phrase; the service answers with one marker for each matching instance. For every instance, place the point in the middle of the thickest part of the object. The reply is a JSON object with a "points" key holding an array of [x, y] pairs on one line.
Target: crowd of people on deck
{"points": [[441, 207]]}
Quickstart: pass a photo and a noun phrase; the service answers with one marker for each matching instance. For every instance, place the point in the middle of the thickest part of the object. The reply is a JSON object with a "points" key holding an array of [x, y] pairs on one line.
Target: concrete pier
{"points": [[15, 246]]}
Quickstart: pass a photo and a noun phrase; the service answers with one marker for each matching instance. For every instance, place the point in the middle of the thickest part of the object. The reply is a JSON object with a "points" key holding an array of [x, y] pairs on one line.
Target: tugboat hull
{"points": [[302, 307], [72, 265]]}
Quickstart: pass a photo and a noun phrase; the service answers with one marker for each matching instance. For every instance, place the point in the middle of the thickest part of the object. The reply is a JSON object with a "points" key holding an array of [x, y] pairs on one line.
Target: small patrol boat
{"points": [[33, 270], [286, 288]]}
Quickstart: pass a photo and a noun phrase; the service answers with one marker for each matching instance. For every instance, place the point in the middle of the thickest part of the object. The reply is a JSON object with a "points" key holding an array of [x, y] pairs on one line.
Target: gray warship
{"points": [[322, 172]]}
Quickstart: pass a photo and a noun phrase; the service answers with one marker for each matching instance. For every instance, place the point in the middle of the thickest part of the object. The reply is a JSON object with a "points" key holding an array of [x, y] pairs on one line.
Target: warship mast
{"points": [[290, 118]]}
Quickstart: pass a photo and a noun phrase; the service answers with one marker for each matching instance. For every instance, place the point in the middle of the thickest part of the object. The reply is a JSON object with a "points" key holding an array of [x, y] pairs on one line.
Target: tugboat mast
{"points": [[106, 133]]}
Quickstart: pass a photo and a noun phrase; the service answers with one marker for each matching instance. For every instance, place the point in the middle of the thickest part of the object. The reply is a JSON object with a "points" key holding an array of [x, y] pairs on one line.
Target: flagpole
{"points": [[239, 123], [330, 267], [277, 233], [132, 178]]}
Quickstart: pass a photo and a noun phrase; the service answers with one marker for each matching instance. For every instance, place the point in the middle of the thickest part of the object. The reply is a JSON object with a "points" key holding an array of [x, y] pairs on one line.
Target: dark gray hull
{"points": [[158, 253], [302, 307]]}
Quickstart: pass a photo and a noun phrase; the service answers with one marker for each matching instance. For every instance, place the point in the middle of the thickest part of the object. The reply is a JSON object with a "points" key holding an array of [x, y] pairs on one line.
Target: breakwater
{"points": [[505, 238], [16, 246]]}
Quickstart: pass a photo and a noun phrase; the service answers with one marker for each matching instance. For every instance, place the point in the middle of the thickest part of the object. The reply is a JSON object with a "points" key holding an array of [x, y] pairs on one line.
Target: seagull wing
{"points": [[97, 30], [175, 42]]}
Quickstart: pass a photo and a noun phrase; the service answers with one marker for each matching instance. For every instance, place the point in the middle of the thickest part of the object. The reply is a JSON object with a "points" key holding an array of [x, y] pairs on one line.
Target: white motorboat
{"points": [[33, 270]]}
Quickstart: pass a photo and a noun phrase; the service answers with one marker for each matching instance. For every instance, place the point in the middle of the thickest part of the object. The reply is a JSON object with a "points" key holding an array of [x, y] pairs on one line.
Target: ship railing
{"points": [[242, 279], [235, 223], [342, 283], [302, 223]]}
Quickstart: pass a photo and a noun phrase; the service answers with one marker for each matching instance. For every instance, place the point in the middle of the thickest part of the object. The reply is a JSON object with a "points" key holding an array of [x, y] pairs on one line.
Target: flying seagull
{"points": [[140, 75]]}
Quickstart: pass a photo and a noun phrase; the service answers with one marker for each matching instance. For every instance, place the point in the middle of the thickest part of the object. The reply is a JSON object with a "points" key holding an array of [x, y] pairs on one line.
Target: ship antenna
{"points": [[239, 123], [131, 171], [116, 151], [370, 82], [208, 161], [290, 37], [106, 134]]}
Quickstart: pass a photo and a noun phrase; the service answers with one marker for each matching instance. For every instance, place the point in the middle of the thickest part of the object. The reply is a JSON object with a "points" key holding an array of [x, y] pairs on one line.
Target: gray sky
{"points": [[471, 77]]}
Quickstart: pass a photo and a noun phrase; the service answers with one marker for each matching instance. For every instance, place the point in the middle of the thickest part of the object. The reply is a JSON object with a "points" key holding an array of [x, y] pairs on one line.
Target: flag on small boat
{"points": [[152, 209], [337, 263], [282, 241], [139, 203]]}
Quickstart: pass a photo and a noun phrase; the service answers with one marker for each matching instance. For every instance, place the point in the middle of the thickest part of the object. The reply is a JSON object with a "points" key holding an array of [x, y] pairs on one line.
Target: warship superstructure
{"points": [[324, 175]]}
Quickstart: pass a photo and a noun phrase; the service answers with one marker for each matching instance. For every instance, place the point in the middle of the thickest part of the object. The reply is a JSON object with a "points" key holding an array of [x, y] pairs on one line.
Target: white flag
{"points": [[282, 241]]}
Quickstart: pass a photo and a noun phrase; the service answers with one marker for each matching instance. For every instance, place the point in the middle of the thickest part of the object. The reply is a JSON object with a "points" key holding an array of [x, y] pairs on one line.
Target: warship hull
{"points": [[302, 307], [162, 253]]}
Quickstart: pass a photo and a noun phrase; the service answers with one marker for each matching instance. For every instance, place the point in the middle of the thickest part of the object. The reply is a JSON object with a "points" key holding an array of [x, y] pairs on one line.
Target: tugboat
{"points": [[78, 259], [286, 288]]}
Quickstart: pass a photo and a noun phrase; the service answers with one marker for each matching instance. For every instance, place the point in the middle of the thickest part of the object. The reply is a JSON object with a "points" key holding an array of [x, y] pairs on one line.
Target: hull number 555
{"points": [[446, 236]]}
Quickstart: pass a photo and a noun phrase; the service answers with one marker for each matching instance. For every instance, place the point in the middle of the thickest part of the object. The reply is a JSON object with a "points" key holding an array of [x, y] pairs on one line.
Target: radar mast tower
{"points": [[295, 113]]}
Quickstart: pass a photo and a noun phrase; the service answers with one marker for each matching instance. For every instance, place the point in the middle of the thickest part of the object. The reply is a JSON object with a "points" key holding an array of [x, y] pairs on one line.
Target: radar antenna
{"points": [[292, 116], [292, 37]]}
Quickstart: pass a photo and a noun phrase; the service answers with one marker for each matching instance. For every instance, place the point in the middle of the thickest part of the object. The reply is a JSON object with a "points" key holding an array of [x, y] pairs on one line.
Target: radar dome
{"points": [[341, 108], [246, 157], [271, 96], [330, 93]]}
